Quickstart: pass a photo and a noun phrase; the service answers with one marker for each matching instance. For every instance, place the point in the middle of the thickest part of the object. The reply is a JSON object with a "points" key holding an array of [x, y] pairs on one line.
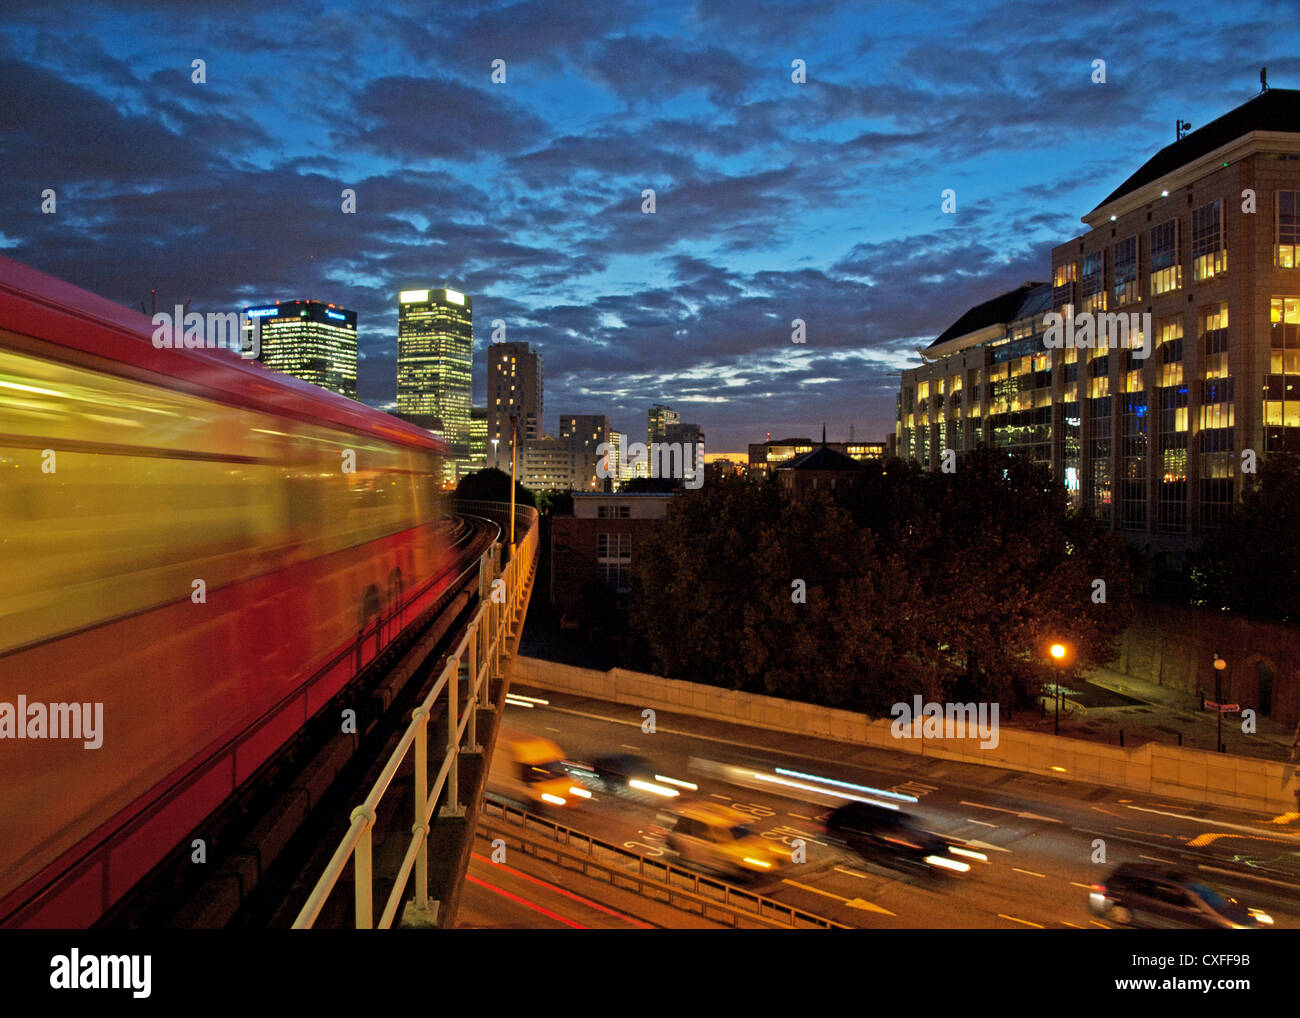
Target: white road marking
{"points": [[981, 823], [1202, 820], [724, 798], [987, 847], [1029, 873], [860, 903], [1014, 813]]}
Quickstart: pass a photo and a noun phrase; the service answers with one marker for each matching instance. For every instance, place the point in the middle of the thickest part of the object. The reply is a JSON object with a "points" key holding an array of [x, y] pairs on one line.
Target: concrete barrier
{"points": [[1179, 772]]}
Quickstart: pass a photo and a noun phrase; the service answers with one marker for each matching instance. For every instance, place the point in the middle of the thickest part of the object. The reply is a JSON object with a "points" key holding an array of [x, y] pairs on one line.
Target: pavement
{"points": [[1147, 712]]}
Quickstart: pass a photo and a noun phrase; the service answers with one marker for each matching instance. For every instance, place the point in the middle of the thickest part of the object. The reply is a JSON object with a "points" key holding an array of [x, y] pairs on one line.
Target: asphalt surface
{"points": [[1045, 838]]}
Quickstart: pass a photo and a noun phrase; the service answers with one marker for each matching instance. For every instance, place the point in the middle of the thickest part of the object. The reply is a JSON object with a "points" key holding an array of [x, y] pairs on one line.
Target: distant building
{"points": [[435, 345], [309, 340], [549, 464], [821, 469], [688, 435], [515, 384], [477, 438], [600, 542], [765, 457], [615, 465], [587, 432], [657, 422]]}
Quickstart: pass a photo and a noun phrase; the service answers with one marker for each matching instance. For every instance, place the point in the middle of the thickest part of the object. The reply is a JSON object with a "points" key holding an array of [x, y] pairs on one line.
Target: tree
{"points": [[492, 485], [1251, 564], [953, 592]]}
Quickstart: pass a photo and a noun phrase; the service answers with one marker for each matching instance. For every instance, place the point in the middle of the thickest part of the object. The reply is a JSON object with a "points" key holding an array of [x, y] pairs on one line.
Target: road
{"points": [[1044, 837]]}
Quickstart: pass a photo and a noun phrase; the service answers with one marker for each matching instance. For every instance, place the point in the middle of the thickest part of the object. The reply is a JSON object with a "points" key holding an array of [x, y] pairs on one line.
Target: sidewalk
{"points": [[1161, 715]]}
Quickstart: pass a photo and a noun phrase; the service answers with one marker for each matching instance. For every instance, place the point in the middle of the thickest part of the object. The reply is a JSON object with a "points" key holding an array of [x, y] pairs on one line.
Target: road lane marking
{"points": [[799, 815], [859, 903], [1037, 926], [560, 890], [1101, 924], [524, 901], [1086, 887], [1152, 858], [1076, 926], [1200, 820], [987, 847], [981, 823], [1014, 813], [1028, 873], [724, 798]]}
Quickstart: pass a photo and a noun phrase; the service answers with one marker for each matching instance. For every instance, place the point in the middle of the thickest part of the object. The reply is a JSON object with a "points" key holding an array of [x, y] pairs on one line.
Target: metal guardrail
{"points": [[651, 875], [478, 658]]}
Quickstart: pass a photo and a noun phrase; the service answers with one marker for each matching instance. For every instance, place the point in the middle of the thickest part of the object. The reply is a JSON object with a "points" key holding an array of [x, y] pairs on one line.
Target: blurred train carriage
{"points": [[127, 475]]}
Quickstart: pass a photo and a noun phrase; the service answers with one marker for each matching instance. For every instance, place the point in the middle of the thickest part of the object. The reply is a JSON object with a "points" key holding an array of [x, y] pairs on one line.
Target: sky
{"points": [[774, 199]]}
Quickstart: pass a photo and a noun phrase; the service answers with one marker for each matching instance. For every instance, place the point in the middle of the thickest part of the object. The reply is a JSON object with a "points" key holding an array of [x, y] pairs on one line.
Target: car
{"points": [[532, 771], [1157, 897], [880, 834], [714, 837]]}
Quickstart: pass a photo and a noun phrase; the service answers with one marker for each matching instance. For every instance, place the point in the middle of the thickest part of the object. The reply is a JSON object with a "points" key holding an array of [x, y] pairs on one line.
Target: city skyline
{"points": [[775, 200]]}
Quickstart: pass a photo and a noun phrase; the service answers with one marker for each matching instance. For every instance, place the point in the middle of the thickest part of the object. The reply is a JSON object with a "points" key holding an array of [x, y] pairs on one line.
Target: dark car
{"points": [[884, 835], [1156, 897]]}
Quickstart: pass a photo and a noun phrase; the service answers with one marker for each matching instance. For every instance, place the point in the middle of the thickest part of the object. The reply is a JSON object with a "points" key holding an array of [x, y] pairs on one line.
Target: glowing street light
{"points": [[1057, 650], [1219, 665]]}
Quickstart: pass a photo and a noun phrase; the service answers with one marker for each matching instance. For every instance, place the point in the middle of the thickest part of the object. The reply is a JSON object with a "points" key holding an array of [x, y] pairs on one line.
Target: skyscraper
{"points": [[435, 349], [310, 340], [587, 432], [657, 421], [514, 386]]}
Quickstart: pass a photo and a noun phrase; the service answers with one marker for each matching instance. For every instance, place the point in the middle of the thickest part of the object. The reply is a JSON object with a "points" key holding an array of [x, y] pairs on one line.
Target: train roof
{"points": [[56, 312]]}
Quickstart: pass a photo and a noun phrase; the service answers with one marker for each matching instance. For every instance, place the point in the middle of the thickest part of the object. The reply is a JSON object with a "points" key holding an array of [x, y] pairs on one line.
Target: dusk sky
{"points": [[774, 200]]}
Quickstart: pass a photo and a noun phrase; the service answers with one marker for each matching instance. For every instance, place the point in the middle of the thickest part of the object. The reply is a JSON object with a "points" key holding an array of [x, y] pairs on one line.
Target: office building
{"points": [[1195, 257], [587, 433], [515, 383], [435, 345], [309, 340]]}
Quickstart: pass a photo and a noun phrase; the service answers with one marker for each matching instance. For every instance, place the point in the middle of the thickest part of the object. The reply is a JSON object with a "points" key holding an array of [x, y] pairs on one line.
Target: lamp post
{"points": [[514, 459], [1058, 653], [1219, 666]]}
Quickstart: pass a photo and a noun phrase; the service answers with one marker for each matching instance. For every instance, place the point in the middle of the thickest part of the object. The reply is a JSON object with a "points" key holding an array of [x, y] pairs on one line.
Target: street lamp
{"points": [[1219, 666], [495, 441], [1058, 652]]}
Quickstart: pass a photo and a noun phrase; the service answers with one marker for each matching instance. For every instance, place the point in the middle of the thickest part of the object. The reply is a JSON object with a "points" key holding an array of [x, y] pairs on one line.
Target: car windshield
{"points": [[1212, 898]]}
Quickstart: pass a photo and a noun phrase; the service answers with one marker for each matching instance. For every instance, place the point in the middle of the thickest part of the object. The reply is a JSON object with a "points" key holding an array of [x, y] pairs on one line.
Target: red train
{"points": [[187, 573]]}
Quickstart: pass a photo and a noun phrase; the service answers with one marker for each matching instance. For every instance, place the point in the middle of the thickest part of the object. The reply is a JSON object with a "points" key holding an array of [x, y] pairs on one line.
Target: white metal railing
{"points": [[479, 657]]}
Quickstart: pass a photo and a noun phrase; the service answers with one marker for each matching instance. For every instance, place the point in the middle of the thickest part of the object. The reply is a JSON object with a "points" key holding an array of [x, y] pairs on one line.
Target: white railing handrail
{"points": [[480, 652]]}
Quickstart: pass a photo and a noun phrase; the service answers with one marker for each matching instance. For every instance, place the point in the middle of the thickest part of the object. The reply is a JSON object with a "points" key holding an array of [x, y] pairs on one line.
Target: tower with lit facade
{"points": [[309, 340], [435, 349]]}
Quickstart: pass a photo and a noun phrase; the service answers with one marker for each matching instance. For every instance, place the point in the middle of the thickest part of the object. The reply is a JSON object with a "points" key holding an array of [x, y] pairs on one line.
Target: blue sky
{"points": [[775, 200]]}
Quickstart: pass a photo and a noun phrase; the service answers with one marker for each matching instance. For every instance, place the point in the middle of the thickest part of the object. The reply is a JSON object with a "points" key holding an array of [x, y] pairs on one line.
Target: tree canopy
{"points": [[944, 585]]}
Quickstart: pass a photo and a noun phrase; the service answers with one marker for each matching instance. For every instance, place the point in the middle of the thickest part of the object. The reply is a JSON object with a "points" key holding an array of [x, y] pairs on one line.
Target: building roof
{"points": [[821, 458], [1278, 109], [1026, 299]]}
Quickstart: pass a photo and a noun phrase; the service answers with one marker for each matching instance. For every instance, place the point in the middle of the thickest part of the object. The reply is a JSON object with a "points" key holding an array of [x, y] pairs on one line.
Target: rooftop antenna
{"points": [[1263, 79], [823, 432]]}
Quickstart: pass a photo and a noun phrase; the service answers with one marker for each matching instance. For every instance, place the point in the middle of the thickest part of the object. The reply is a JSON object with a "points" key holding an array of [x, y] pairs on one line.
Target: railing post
{"points": [[363, 871], [453, 807], [471, 692], [421, 829]]}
